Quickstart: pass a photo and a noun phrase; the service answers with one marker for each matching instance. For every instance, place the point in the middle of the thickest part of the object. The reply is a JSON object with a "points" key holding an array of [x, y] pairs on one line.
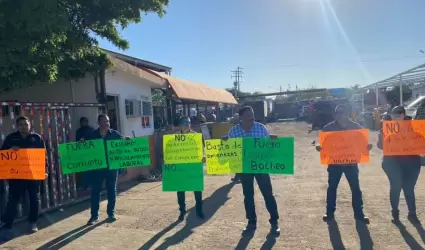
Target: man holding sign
{"points": [[97, 176], [351, 171], [249, 128], [22, 139]]}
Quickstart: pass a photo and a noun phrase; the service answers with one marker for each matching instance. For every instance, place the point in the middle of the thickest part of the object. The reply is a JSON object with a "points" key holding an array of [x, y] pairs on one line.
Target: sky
{"points": [[282, 43]]}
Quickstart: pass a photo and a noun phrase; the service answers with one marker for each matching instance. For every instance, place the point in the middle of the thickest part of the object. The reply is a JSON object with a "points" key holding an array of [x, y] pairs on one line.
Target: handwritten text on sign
{"points": [[224, 157], [344, 147], [82, 156], [24, 164], [183, 148], [266, 156], [183, 177], [404, 137], [129, 153]]}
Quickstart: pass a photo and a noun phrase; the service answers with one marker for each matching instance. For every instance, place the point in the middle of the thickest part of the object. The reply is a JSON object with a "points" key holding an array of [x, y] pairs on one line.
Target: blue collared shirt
{"points": [[257, 130]]}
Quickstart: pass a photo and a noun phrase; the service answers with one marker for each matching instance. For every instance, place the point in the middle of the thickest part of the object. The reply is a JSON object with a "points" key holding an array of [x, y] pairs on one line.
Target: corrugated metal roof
{"points": [[155, 80], [197, 91]]}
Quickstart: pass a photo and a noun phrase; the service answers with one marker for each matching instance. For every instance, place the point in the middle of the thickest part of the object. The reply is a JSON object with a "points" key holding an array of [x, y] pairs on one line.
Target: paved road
{"points": [[146, 216]]}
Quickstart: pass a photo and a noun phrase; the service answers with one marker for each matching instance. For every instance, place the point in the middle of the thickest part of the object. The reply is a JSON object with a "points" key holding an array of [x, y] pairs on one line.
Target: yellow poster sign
{"points": [[183, 148], [224, 157]]}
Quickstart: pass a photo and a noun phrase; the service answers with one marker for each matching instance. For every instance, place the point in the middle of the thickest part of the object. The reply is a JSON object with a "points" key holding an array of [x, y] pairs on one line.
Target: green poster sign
{"points": [[82, 156], [129, 153], [266, 156], [183, 177]]}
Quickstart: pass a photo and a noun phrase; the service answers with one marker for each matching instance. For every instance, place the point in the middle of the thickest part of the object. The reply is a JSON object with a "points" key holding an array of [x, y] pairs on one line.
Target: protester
{"points": [[84, 131], [342, 122], [97, 176], [22, 139], [402, 172], [185, 128], [249, 128]]}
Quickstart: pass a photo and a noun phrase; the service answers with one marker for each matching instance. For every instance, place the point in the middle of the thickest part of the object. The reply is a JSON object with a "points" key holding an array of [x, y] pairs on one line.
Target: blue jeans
{"points": [[334, 177], [97, 177], [402, 175]]}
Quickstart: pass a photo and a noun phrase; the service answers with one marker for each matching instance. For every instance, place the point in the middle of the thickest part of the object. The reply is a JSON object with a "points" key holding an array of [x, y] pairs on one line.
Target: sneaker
{"points": [[6, 234], [181, 217], [33, 228], [250, 228], [92, 221], [112, 218], [396, 217], [363, 219], [275, 229], [413, 218], [328, 217]]}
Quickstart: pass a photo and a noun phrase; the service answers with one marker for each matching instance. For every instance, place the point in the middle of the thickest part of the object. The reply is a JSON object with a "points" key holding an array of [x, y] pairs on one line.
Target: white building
{"points": [[128, 97]]}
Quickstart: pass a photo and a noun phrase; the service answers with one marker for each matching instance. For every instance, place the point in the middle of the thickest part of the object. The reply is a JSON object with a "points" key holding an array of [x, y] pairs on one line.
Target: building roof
{"points": [[154, 80], [139, 62], [187, 90], [412, 76]]}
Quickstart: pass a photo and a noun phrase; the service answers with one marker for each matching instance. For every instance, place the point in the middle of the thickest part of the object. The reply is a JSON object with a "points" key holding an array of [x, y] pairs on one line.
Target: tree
{"points": [[239, 93], [41, 41]]}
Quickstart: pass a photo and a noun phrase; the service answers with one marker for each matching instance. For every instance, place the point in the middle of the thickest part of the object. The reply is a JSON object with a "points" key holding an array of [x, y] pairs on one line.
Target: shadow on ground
{"points": [[57, 215], [210, 204]]}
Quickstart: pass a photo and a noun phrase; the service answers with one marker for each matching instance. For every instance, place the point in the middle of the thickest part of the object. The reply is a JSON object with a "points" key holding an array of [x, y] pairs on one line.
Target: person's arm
{"points": [[7, 143], [117, 135], [78, 135], [43, 145]]}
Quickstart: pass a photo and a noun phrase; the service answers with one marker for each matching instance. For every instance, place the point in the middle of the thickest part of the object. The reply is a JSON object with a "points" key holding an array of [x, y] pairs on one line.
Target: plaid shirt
{"points": [[258, 130]]}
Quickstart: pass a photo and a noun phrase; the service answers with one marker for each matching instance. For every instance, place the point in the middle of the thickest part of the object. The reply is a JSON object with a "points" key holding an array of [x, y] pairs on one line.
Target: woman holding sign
{"points": [[402, 172], [185, 128]]}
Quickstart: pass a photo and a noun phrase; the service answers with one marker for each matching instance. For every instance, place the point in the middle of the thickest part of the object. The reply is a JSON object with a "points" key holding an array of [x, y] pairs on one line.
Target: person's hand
{"points": [[273, 137], [369, 147], [15, 148], [225, 138], [82, 140], [47, 175], [127, 138], [204, 159], [318, 148]]}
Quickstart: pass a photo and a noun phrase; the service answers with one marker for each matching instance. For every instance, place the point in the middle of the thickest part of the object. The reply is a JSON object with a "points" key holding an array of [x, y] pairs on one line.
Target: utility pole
{"points": [[237, 75]]}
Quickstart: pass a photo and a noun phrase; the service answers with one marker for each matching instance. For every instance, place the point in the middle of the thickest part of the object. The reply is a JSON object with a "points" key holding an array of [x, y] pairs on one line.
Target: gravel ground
{"points": [[146, 215]]}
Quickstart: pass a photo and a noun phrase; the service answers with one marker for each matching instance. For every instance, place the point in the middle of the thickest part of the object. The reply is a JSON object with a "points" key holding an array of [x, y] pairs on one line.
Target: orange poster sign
{"points": [[344, 147], [404, 137], [26, 164]]}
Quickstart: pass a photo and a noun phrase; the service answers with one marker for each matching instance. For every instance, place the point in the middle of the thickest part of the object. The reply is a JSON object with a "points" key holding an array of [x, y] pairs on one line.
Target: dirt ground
{"points": [[146, 215]]}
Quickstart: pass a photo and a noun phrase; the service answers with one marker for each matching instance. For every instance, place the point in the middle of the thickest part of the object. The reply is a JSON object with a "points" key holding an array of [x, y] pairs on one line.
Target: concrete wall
{"points": [[127, 86]]}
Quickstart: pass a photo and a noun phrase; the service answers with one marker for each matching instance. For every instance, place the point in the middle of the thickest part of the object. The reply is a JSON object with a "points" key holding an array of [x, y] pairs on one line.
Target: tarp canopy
{"points": [[187, 90]]}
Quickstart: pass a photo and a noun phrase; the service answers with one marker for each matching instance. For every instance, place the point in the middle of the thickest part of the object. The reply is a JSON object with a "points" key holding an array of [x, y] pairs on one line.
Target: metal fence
{"points": [[53, 121]]}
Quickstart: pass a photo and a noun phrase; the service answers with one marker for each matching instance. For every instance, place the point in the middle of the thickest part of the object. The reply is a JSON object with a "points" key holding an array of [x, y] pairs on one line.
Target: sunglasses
{"points": [[185, 122]]}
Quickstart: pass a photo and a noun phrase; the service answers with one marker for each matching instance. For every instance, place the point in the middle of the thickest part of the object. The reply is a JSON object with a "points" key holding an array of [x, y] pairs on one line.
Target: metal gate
{"points": [[53, 121]]}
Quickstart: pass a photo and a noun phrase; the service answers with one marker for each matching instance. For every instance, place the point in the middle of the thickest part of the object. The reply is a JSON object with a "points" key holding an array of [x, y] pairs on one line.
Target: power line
{"points": [[237, 75]]}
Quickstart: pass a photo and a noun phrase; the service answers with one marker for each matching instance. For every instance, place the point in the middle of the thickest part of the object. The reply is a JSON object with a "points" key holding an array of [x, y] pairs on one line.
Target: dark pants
{"points": [[181, 199], [97, 177], [264, 183], [237, 177], [17, 190], [402, 176], [334, 177]]}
